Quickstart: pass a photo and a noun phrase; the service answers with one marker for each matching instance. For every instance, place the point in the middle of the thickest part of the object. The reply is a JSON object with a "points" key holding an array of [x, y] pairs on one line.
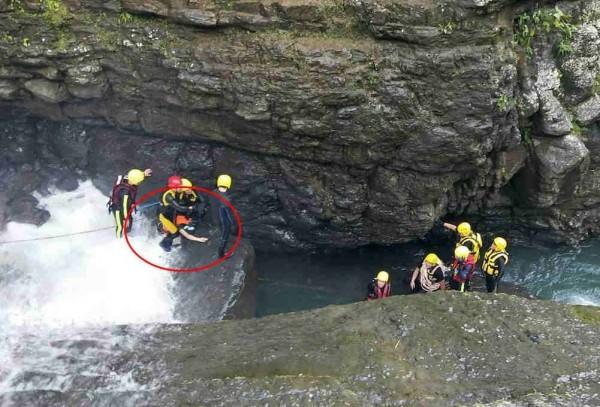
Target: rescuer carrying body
{"points": [[174, 216]]}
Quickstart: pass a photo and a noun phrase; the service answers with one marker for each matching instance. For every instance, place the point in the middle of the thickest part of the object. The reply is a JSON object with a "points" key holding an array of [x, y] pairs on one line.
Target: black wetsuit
{"points": [[123, 198], [170, 208], [222, 218], [197, 201]]}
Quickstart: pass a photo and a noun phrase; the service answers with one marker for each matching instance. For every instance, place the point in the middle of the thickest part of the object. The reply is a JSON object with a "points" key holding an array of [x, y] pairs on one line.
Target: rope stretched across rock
{"points": [[141, 207], [58, 236]]}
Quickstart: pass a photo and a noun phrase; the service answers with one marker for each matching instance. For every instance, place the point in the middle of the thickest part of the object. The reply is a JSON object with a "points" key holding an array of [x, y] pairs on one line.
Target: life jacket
{"points": [[179, 220], [165, 209], [380, 292], [490, 265], [431, 271], [462, 272], [187, 199], [119, 185], [476, 242]]}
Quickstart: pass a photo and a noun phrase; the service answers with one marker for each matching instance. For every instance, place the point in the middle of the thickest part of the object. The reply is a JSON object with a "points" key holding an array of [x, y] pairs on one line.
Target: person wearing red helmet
{"points": [[170, 215]]}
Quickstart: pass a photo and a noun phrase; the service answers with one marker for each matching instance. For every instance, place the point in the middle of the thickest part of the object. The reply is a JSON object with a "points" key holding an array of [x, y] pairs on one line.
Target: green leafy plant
{"points": [[527, 26], [447, 28], [125, 18], [54, 12], [505, 103], [526, 136], [564, 47], [15, 5], [25, 42]]}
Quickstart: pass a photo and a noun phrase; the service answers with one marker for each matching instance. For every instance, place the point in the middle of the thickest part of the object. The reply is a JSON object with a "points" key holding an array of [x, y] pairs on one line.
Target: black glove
{"points": [[438, 223]]}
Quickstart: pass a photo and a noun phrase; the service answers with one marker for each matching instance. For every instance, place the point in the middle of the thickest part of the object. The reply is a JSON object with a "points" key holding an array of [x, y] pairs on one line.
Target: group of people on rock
{"points": [[433, 275], [181, 208]]}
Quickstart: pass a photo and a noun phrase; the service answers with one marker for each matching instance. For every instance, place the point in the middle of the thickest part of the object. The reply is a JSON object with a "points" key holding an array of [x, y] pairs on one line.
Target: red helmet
{"points": [[174, 181]]}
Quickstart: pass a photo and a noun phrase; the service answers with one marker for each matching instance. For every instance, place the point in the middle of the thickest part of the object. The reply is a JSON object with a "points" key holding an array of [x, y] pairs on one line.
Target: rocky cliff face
{"points": [[342, 122]]}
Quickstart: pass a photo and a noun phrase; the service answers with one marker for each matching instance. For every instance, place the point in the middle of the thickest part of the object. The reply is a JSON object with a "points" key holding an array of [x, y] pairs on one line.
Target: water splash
{"points": [[75, 287]]}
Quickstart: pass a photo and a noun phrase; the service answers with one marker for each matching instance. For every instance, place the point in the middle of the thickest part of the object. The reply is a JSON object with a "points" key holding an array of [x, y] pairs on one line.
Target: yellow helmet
{"points": [[186, 182], [463, 229], [432, 258], [461, 252], [383, 276], [134, 177], [224, 180], [500, 244]]}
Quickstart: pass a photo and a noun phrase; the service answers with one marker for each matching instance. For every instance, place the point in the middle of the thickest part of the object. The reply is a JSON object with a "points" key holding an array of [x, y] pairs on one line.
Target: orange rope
{"points": [[58, 236]]}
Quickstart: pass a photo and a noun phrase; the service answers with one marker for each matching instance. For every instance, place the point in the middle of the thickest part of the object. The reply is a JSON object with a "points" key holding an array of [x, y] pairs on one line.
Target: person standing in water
{"points": [[379, 287], [494, 264], [123, 196]]}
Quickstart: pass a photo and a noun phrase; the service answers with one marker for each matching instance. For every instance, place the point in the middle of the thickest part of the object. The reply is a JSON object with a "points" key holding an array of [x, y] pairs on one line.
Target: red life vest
{"points": [[114, 196], [459, 276], [383, 292]]}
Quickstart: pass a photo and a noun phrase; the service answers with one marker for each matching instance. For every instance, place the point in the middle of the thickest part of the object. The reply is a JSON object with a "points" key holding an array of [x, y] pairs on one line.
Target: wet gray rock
{"points": [[559, 163], [24, 209], [554, 118], [8, 89], [355, 124], [500, 350], [588, 111], [47, 91]]}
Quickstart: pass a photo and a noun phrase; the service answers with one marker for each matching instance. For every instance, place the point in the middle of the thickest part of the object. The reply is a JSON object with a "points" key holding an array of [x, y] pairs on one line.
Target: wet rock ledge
{"points": [[440, 349]]}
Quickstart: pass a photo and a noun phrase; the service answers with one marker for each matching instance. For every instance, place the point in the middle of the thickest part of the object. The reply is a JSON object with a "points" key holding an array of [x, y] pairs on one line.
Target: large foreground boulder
{"points": [[437, 349]]}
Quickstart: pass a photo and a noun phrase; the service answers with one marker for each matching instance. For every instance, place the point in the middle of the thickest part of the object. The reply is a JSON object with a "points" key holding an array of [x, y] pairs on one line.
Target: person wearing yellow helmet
{"points": [[220, 212], [430, 273], [188, 197], [123, 196], [463, 267], [494, 264], [379, 287], [466, 237]]}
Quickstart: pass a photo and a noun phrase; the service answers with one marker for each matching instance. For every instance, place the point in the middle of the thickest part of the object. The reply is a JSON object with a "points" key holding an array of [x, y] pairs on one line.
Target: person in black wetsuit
{"points": [[220, 212]]}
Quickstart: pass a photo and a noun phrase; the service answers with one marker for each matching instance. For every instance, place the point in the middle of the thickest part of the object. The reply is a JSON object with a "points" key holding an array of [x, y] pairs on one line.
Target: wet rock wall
{"points": [[341, 122]]}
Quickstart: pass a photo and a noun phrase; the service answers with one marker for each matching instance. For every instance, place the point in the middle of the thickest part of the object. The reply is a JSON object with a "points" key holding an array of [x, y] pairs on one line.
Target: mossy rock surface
{"points": [[435, 349]]}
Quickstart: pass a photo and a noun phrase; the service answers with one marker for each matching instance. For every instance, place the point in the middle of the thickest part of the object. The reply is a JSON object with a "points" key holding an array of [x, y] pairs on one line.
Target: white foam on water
{"points": [[82, 279], [73, 282], [576, 298]]}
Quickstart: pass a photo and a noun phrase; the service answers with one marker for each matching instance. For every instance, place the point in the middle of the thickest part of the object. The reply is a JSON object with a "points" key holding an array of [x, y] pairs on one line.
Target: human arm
{"points": [[173, 202], [371, 290], [413, 278], [449, 226], [501, 267], [469, 245], [148, 172], [189, 236]]}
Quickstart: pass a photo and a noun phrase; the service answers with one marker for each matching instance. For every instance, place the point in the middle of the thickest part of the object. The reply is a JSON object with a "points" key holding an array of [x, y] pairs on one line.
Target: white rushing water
{"points": [[72, 286]]}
